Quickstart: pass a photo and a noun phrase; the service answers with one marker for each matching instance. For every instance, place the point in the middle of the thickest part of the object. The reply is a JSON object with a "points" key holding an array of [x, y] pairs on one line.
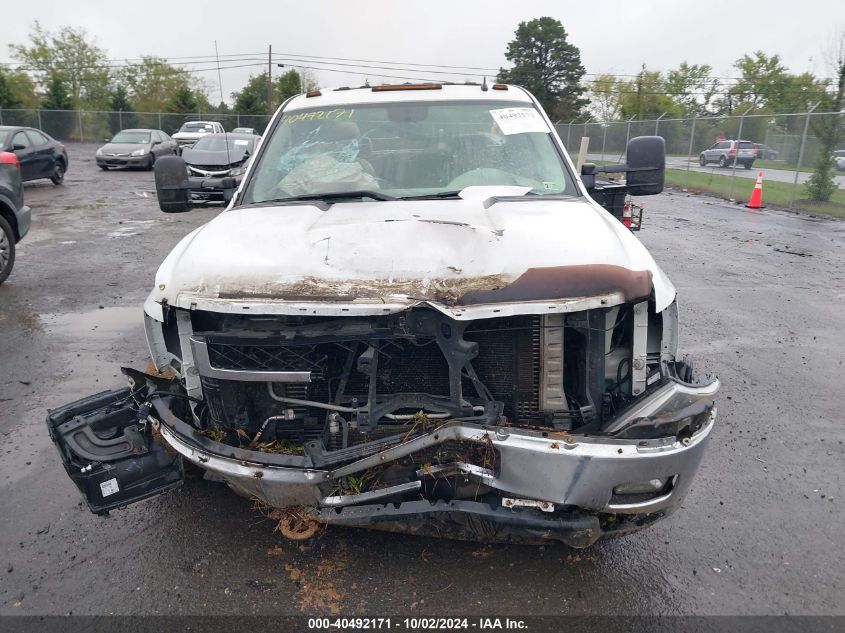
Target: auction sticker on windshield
{"points": [[519, 120]]}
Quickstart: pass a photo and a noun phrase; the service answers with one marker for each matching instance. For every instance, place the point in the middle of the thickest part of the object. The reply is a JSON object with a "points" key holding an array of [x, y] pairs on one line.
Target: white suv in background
{"points": [[725, 153], [192, 131]]}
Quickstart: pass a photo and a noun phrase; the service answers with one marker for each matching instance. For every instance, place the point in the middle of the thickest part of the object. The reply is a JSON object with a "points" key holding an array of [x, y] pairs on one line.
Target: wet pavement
{"points": [[761, 532]]}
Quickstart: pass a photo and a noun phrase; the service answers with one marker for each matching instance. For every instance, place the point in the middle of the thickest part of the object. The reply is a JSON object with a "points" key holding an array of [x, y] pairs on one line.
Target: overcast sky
{"points": [[613, 36]]}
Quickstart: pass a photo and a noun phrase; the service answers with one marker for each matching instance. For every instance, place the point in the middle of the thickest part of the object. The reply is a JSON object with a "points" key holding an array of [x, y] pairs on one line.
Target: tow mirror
{"points": [[645, 169], [646, 161], [588, 175], [174, 186]]}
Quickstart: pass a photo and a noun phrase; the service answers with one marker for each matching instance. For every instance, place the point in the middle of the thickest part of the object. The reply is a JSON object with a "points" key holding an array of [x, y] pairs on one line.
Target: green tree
{"points": [[119, 99], [71, 53], [828, 128], [645, 97], [252, 98], [691, 86], [121, 115], [286, 86], [153, 82], [183, 101], [546, 64], [763, 80], [16, 90], [57, 97], [604, 97], [801, 92]]}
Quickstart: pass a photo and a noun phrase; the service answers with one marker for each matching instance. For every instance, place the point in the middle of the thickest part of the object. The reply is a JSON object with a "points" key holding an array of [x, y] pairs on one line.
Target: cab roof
{"points": [[392, 93]]}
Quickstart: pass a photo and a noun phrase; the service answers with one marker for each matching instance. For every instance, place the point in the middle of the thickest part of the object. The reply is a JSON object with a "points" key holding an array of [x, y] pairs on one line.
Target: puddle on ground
{"points": [[111, 321], [25, 318], [130, 228]]}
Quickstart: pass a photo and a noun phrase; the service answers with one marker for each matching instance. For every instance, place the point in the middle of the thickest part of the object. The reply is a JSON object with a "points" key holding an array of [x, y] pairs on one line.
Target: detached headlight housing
{"points": [[140, 152]]}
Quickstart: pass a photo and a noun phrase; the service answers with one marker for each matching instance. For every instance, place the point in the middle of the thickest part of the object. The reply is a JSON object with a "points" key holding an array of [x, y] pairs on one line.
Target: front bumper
{"points": [[548, 485], [122, 161]]}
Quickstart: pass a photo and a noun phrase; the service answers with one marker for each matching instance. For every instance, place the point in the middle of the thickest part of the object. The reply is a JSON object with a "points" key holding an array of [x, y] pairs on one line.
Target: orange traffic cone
{"points": [[756, 199]]}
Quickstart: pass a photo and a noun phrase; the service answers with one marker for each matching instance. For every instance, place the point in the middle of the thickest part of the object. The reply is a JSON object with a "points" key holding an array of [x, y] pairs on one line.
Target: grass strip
{"points": [[774, 193]]}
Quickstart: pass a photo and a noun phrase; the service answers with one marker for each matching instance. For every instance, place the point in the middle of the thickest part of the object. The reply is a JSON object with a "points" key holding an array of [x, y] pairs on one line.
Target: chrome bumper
{"points": [[556, 468]]}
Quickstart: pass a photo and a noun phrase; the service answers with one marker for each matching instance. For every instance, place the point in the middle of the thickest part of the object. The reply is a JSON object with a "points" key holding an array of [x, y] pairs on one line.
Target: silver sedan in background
{"points": [[136, 148]]}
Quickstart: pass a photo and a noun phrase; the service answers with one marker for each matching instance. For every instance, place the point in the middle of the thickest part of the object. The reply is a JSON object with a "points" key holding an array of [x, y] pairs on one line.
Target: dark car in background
{"points": [[40, 156], [245, 130], [14, 214], [764, 152], [219, 156], [136, 148]]}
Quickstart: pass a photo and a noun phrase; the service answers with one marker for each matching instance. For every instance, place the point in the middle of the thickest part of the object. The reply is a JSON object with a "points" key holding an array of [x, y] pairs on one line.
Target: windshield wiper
{"points": [[336, 195], [433, 196]]}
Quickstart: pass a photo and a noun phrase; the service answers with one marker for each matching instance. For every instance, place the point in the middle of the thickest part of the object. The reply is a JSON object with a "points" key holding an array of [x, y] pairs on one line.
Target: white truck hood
{"points": [[468, 258], [194, 136]]}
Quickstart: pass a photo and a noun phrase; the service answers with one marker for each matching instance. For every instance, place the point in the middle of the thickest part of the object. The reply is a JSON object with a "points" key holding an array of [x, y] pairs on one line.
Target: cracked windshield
{"points": [[409, 150]]}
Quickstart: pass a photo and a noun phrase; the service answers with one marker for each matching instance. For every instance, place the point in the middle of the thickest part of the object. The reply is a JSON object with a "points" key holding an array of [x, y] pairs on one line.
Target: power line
{"points": [[142, 65], [346, 62], [367, 67], [198, 59], [365, 74], [431, 72], [381, 61]]}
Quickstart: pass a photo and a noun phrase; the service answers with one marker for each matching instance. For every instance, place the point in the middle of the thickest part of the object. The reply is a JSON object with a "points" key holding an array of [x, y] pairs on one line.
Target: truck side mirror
{"points": [[172, 189], [588, 175], [646, 165], [174, 186]]}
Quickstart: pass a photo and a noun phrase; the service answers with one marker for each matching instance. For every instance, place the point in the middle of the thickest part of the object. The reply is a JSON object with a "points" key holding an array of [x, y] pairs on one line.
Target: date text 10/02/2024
{"points": [[416, 624]]}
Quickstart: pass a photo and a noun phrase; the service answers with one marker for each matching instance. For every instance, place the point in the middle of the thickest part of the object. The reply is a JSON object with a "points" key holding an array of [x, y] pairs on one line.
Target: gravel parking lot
{"points": [[761, 300]]}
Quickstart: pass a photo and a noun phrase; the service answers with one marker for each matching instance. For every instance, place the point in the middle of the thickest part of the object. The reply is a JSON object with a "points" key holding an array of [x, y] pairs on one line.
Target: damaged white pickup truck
{"points": [[414, 315]]}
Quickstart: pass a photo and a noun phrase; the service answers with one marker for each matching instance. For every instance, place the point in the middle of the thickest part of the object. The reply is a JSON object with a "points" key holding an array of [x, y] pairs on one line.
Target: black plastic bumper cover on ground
{"points": [[109, 475]]}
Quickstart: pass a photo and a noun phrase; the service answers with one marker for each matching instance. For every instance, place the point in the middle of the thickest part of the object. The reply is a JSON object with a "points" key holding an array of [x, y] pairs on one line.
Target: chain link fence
{"points": [[788, 147], [95, 126], [789, 144]]}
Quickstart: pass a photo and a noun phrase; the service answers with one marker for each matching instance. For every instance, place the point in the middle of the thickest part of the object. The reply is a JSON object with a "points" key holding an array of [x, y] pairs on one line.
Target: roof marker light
{"points": [[389, 88]]}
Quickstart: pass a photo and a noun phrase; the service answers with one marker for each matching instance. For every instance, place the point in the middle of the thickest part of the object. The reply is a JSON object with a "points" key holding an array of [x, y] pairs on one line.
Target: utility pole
{"points": [[270, 79], [640, 93]]}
